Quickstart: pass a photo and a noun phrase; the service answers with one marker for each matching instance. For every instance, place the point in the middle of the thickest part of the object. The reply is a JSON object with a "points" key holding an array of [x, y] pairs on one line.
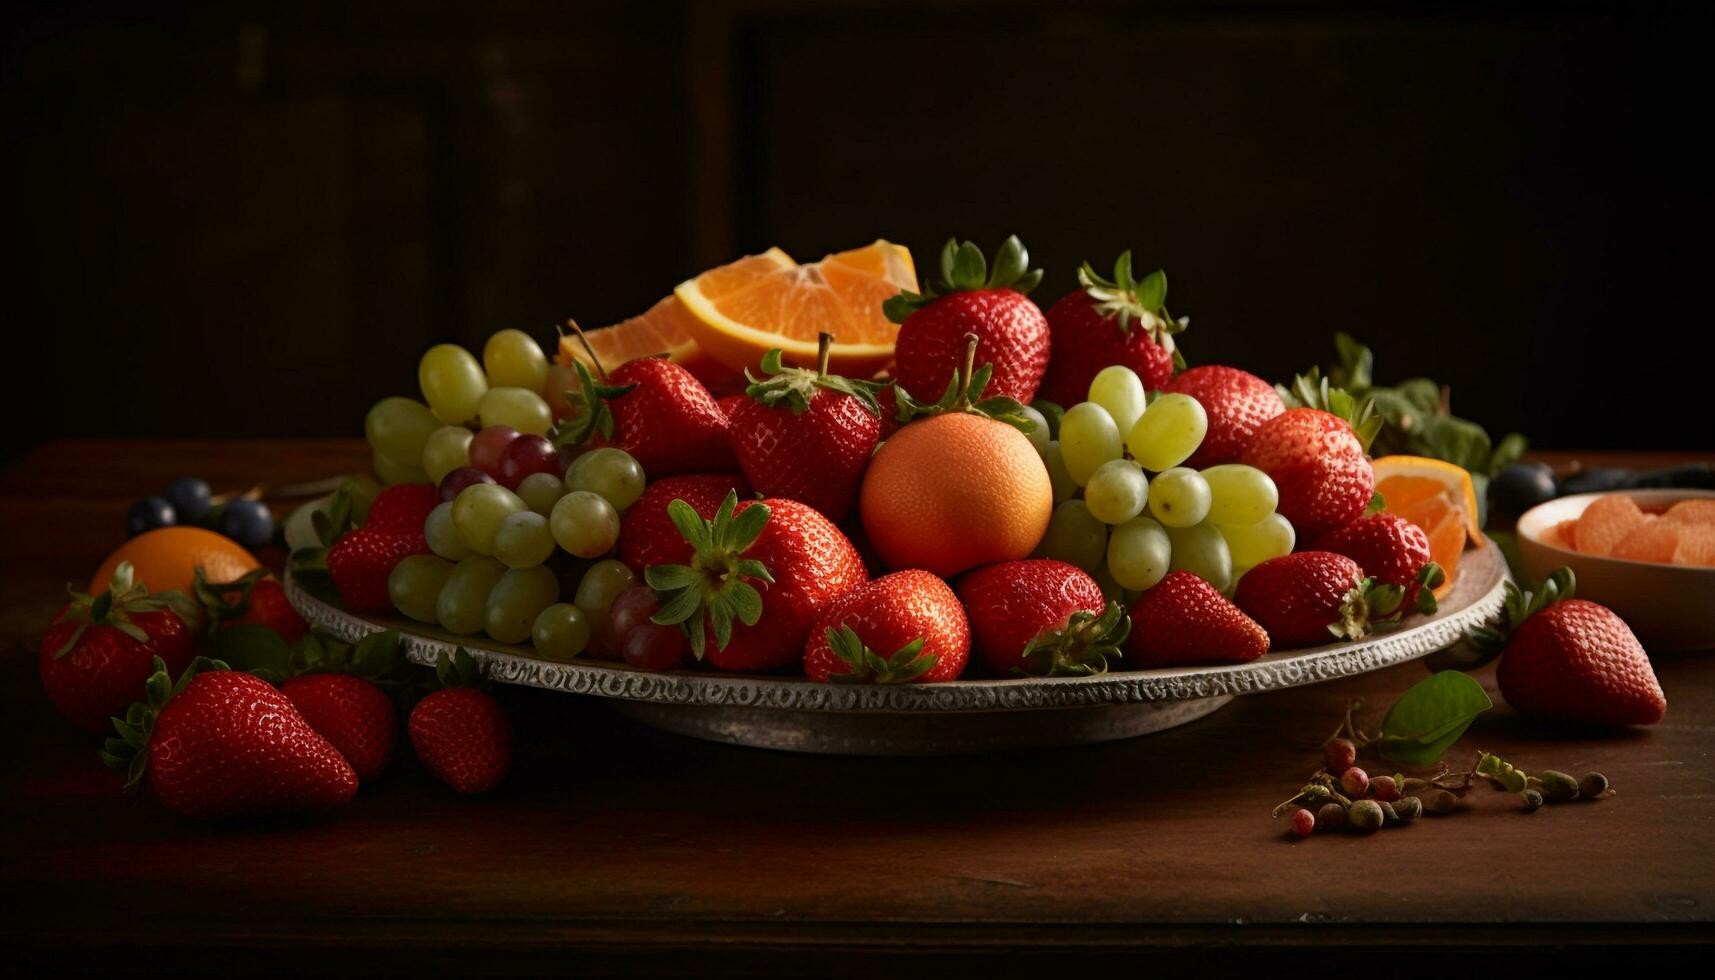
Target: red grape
{"points": [[526, 455], [1303, 822], [631, 608], [654, 647], [1355, 781], [460, 478], [487, 445]]}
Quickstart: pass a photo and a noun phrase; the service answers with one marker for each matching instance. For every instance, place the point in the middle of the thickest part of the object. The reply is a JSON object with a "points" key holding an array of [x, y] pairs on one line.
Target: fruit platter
{"points": [[828, 507]]}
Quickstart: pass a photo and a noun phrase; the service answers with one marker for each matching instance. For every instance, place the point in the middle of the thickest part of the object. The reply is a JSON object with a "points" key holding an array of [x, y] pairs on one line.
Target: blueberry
{"points": [[247, 522], [191, 497], [1521, 486], [148, 514]]}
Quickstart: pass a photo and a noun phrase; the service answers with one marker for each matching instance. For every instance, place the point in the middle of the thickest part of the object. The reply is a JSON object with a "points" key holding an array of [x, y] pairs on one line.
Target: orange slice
{"points": [[666, 328], [841, 295], [1436, 496]]}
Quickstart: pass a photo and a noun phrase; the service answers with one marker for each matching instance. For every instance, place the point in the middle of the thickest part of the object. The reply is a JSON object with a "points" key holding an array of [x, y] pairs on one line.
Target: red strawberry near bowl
{"points": [[647, 534], [101, 649], [461, 734], [255, 599], [806, 434], [907, 627], [760, 574], [970, 298], [1309, 598], [1184, 620], [1042, 618], [1122, 320], [1392, 550], [221, 743], [1236, 401], [1316, 456], [1571, 660], [360, 562], [356, 563], [655, 410]]}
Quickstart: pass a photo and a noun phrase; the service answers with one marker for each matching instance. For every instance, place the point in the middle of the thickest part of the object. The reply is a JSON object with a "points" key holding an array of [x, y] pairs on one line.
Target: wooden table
{"points": [[616, 849]]}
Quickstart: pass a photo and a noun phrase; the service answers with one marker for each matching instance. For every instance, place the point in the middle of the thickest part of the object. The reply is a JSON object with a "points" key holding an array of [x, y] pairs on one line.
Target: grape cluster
{"points": [[1128, 512]]}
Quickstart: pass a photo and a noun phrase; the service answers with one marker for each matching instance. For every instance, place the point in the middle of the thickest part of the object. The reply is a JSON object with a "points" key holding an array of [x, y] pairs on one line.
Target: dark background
{"points": [[250, 218]]}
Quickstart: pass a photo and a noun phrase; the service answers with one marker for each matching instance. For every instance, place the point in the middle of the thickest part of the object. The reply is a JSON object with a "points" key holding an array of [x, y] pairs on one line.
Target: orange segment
{"points": [[787, 308], [1437, 496], [1607, 522], [1654, 540], [666, 328]]}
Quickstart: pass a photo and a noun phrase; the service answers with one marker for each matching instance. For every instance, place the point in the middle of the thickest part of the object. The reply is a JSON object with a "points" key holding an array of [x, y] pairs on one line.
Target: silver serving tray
{"points": [[797, 714]]}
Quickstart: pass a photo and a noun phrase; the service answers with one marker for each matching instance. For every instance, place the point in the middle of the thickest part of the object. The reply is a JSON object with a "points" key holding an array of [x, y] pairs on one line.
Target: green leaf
{"points": [[1010, 262], [1356, 363], [692, 527], [256, 649], [668, 578], [970, 269], [1426, 720], [1152, 291]]}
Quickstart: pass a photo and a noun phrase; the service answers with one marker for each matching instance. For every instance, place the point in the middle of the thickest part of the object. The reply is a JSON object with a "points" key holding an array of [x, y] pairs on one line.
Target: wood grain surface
{"points": [[615, 849]]}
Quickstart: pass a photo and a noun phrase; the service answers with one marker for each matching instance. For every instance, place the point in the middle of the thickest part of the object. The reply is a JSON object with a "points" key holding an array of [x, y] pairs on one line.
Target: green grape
{"points": [[1058, 478], [609, 473], [415, 584], [1112, 591], [1253, 544], [523, 540], [448, 449], [1239, 494], [392, 472], [1117, 491], [540, 492], [1140, 554], [1179, 497], [1075, 535], [443, 535], [1052, 412], [520, 408], [1038, 436], [602, 584], [1202, 551], [513, 359], [585, 524], [478, 511], [1118, 389], [452, 383], [517, 599], [463, 603], [561, 631], [1088, 438], [398, 428], [1168, 432]]}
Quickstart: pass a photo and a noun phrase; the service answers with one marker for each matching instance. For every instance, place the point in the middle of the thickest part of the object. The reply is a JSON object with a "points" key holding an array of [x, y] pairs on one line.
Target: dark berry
{"points": [[1339, 754], [1593, 784], [460, 478], [247, 522], [1303, 823], [1384, 788], [191, 498], [1532, 799], [148, 514], [1521, 486], [1365, 816], [526, 455], [1354, 781], [1332, 816]]}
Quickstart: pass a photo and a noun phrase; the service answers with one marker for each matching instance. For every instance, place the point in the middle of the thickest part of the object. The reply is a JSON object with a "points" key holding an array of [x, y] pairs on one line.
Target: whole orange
{"points": [[951, 492], [166, 559]]}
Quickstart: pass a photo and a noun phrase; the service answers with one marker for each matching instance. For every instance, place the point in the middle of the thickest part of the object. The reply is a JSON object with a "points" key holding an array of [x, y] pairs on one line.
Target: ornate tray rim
{"points": [[1476, 595]]}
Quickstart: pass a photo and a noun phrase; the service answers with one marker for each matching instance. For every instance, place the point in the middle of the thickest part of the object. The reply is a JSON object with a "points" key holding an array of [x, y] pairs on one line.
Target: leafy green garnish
{"points": [[1426, 720]]}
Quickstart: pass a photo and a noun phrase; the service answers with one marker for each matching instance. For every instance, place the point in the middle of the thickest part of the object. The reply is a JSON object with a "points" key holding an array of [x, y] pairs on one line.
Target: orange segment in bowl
{"points": [[1607, 522], [788, 308]]}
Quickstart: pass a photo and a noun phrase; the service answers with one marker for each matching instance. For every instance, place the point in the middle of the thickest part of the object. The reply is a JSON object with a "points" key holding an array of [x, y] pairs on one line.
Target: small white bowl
{"points": [[1669, 607]]}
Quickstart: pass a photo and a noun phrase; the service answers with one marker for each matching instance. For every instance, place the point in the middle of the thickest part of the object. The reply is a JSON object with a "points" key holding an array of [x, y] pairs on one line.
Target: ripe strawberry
{"points": [[907, 627], [655, 410], [807, 435], [969, 298], [1313, 597], [647, 535], [1236, 402], [1040, 617], [1105, 322], [1390, 549], [255, 599], [222, 743], [758, 576], [353, 714], [403, 507], [731, 403], [1318, 465], [99, 651], [1566, 659], [361, 561], [1184, 620], [460, 732]]}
